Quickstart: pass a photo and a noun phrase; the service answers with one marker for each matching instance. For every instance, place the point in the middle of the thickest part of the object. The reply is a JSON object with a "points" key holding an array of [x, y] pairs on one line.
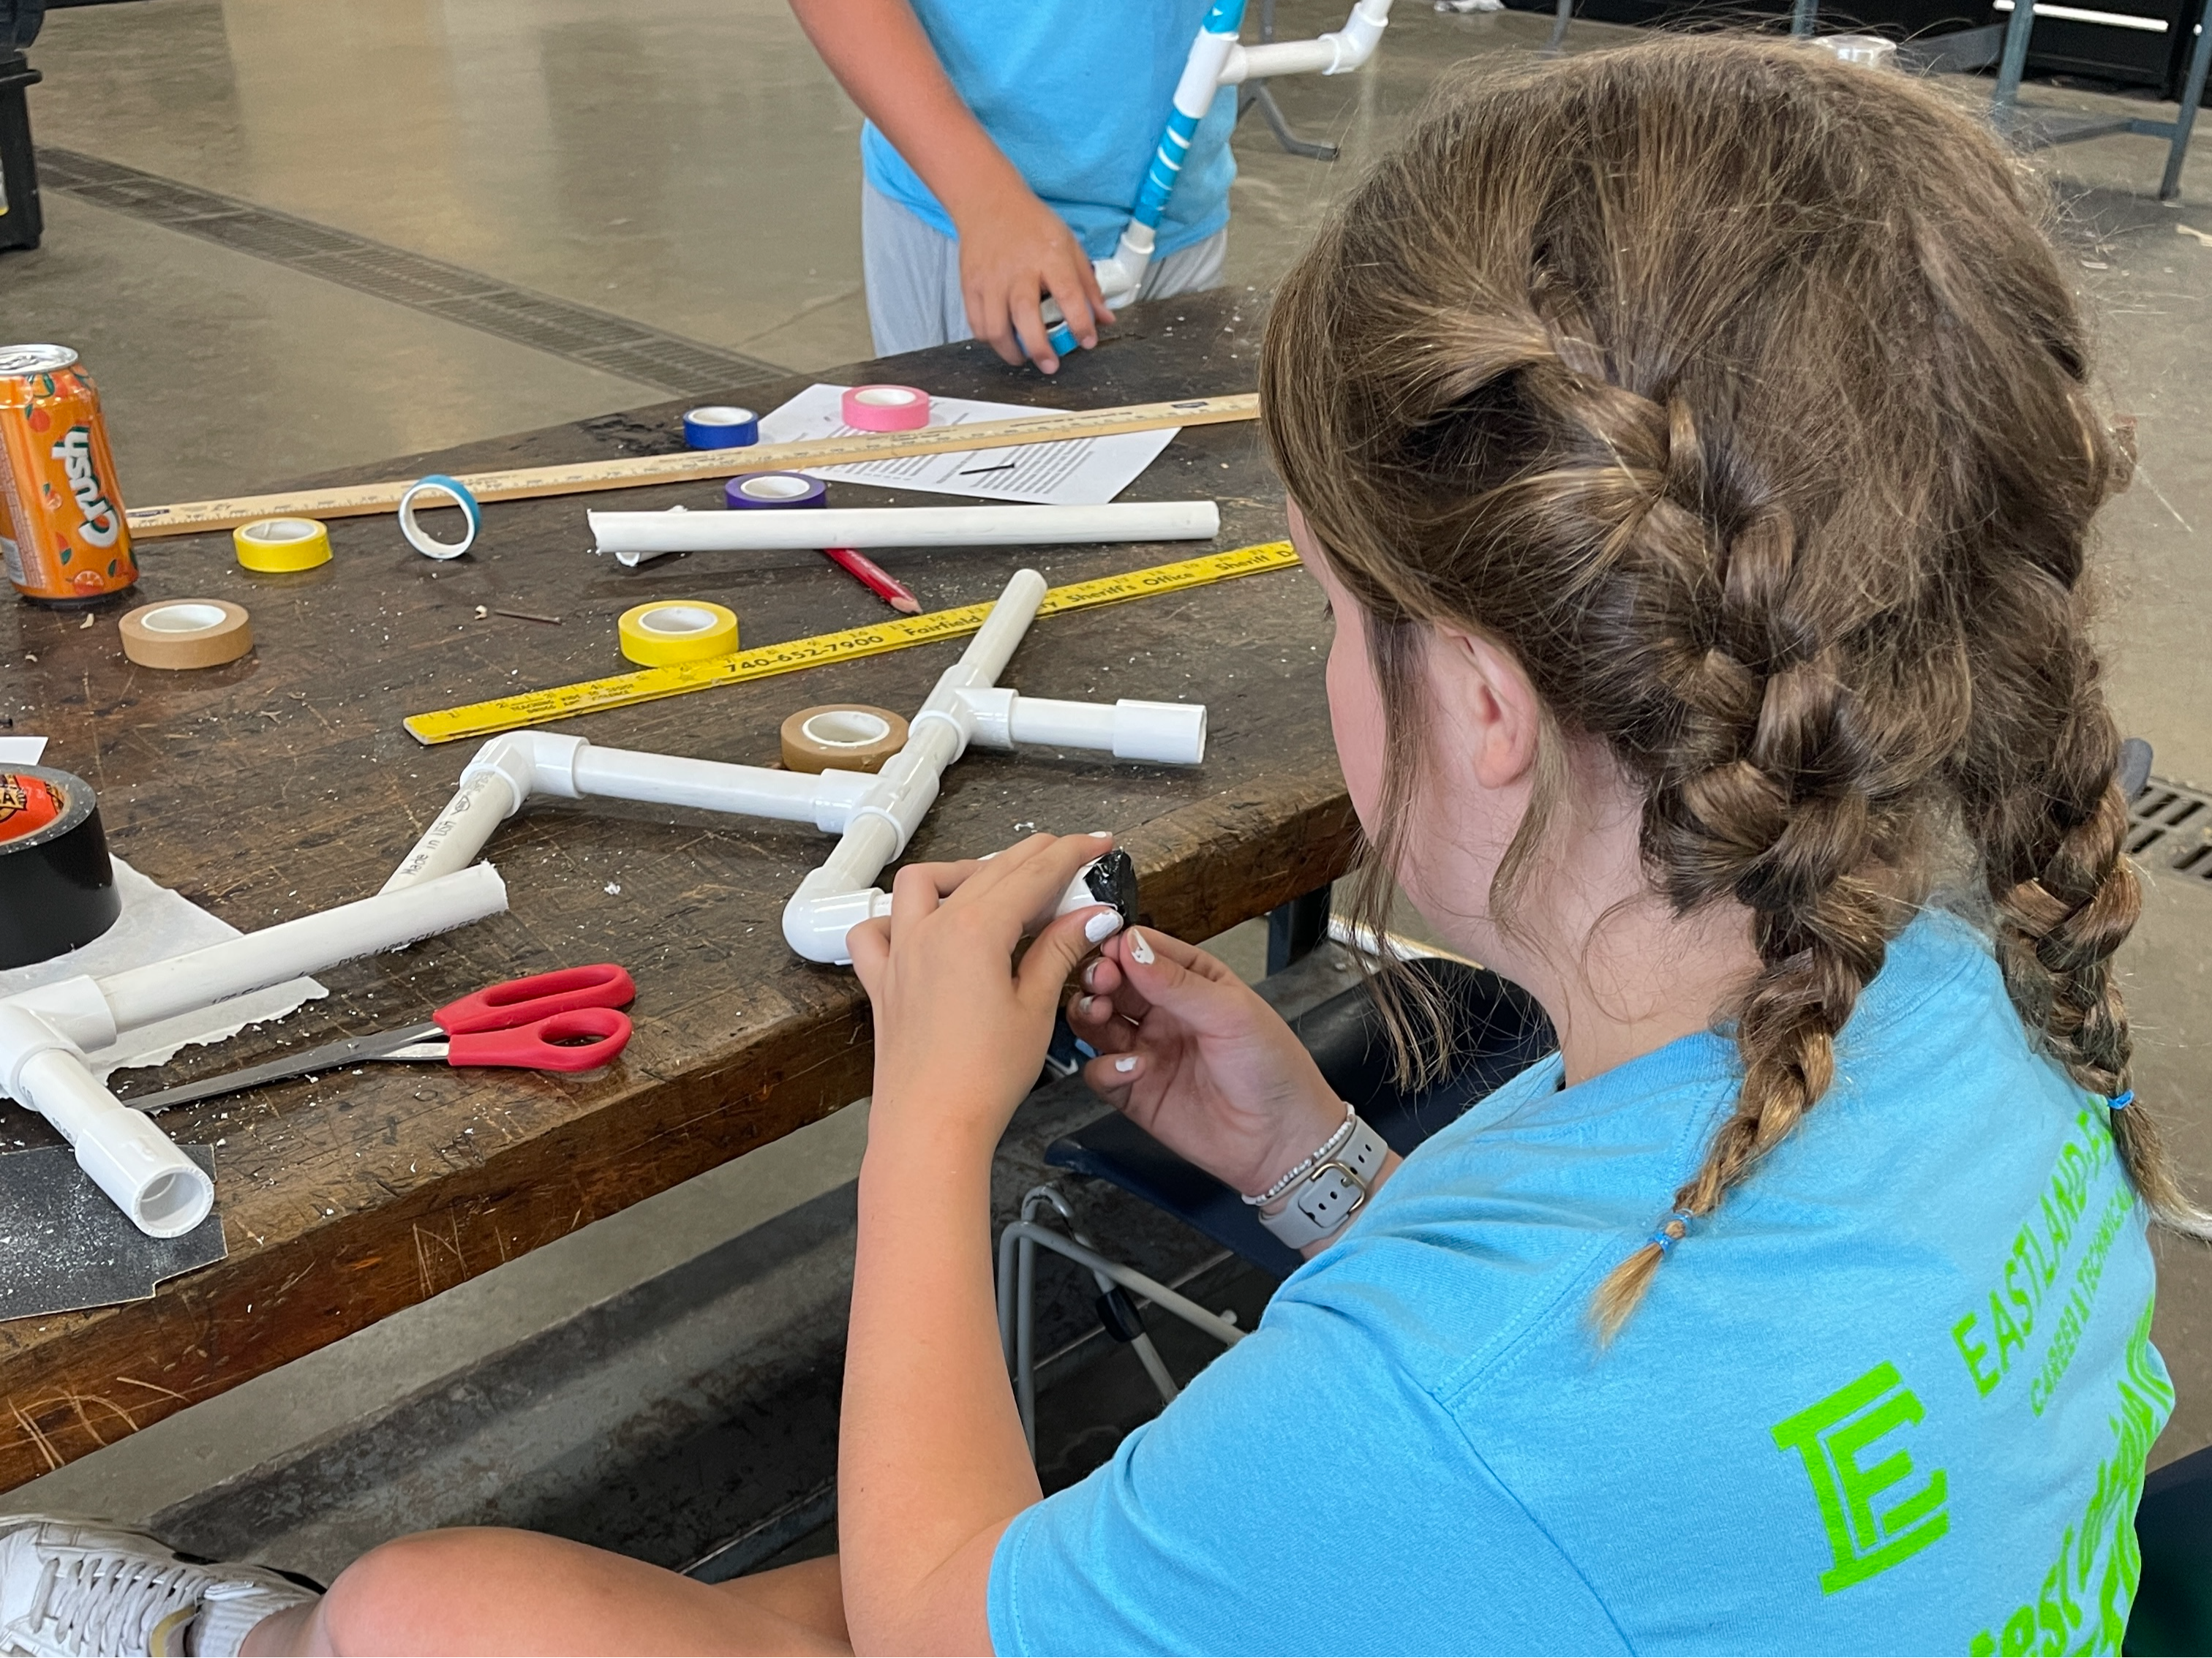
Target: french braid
{"points": [[1740, 395]]}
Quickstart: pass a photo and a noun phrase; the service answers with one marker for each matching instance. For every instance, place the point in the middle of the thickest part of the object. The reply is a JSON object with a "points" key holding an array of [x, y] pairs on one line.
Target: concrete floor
{"points": [[688, 164]]}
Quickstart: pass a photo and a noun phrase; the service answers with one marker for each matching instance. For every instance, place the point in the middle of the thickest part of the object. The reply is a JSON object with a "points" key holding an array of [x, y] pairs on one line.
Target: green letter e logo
{"points": [[1832, 1437]]}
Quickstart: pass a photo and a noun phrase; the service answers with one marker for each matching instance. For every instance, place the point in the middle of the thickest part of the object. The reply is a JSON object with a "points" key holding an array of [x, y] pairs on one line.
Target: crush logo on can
{"points": [[102, 523]]}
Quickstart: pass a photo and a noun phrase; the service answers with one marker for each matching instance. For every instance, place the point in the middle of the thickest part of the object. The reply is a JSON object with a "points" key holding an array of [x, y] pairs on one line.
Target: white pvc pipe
{"points": [[253, 961], [1165, 733], [633, 537], [484, 800], [821, 798], [1280, 57], [165, 1193]]}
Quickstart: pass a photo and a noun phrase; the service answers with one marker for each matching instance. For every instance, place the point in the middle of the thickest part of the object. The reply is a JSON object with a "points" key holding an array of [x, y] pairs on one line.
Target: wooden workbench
{"points": [[285, 783]]}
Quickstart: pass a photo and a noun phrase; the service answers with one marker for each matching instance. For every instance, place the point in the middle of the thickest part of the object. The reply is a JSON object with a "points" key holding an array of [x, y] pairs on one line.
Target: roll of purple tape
{"points": [[775, 489]]}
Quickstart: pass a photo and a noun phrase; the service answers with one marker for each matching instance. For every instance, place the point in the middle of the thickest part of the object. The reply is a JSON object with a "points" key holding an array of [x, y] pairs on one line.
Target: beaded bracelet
{"points": [[1330, 1148]]}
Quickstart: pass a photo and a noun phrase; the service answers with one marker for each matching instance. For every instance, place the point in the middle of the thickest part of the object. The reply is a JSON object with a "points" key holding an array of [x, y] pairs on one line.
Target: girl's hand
{"points": [[1190, 1053], [961, 1029], [1013, 251]]}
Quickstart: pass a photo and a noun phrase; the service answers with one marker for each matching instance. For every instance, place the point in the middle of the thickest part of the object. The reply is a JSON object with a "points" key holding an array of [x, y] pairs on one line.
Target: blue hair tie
{"points": [[1679, 1220], [2123, 1101]]}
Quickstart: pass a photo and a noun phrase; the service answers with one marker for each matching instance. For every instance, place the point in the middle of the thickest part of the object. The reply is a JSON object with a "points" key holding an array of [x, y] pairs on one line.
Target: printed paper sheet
{"points": [[1080, 472]]}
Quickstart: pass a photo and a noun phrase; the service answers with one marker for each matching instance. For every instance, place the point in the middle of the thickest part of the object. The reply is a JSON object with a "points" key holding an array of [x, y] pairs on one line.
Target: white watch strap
{"points": [[1332, 1193]]}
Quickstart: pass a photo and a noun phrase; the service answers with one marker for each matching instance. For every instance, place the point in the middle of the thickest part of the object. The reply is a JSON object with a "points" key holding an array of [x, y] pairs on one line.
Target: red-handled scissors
{"points": [[566, 1020]]}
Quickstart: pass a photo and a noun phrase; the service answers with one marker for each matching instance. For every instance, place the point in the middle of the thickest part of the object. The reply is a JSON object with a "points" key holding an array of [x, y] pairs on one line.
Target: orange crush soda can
{"points": [[62, 531]]}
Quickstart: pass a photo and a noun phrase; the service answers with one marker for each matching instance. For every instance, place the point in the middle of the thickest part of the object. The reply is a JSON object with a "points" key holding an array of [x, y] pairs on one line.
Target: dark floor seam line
{"points": [[560, 328]]}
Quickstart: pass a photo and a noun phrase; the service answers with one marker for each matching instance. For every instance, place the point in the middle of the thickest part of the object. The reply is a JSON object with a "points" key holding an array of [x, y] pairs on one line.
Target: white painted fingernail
{"points": [[1101, 835], [1103, 925], [1126, 1063], [1139, 949]]}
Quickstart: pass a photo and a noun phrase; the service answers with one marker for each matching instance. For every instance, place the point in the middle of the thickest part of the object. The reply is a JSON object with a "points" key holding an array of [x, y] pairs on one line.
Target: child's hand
{"points": [[1012, 254], [960, 1030], [1190, 1053]]}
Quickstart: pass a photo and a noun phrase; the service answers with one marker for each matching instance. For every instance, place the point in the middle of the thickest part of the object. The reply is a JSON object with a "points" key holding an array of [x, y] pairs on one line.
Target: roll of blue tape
{"points": [[418, 538], [721, 427], [775, 489], [1057, 334]]}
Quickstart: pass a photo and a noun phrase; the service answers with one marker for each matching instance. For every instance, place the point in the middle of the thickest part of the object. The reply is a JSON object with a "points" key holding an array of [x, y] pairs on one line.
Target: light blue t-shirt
{"points": [[1077, 94], [1896, 1396]]}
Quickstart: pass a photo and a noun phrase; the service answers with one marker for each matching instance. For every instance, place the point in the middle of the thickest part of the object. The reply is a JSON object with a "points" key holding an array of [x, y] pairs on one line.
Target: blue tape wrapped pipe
{"points": [[1166, 168]]}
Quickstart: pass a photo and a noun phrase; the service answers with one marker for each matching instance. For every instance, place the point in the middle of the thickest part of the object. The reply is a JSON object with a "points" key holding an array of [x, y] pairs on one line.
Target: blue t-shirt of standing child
{"points": [[1895, 1396], [1076, 94]]}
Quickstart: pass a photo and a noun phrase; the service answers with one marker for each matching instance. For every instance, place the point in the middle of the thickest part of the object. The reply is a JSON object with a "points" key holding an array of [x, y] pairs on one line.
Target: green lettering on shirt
{"points": [[1835, 1439], [2081, 1603], [1974, 1352], [2032, 1264]]}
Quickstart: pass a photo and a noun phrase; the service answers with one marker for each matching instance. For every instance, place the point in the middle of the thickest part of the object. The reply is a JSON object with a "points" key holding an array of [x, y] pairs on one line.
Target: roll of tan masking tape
{"points": [[842, 736], [187, 633]]}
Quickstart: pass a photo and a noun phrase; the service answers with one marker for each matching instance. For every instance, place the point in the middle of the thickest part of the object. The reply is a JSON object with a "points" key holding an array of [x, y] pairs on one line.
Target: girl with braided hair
{"points": [[1696, 445]]}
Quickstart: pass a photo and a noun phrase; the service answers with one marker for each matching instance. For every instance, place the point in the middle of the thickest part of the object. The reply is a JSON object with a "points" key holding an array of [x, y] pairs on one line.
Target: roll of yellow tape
{"points": [[277, 544], [671, 630]]}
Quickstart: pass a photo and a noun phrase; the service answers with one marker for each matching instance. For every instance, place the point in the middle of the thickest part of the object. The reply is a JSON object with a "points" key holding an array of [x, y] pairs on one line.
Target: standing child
{"points": [[1005, 143], [1696, 445]]}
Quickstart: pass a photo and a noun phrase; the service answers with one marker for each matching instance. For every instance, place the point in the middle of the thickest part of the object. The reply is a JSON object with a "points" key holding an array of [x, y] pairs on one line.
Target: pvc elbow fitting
{"points": [[529, 763], [816, 920], [1356, 40]]}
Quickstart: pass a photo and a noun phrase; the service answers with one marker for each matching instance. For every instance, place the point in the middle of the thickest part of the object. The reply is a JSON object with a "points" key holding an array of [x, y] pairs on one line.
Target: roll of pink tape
{"points": [[886, 409]]}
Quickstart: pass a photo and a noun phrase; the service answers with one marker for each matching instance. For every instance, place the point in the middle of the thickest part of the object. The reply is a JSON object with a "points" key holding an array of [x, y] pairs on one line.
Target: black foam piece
{"points": [[65, 1246]]}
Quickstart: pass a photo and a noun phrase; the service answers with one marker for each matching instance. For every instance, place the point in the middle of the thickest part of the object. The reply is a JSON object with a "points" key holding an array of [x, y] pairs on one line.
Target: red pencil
{"points": [[873, 576]]}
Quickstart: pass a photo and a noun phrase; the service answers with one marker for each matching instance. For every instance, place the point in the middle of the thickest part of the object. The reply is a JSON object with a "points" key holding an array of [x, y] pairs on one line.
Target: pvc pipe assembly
{"points": [[874, 815], [44, 1033], [1218, 59], [634, 537]]}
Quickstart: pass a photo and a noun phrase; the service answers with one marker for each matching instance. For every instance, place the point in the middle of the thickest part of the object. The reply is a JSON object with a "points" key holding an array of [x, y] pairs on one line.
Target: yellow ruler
{"points": [[507, 714], [582, 477]]}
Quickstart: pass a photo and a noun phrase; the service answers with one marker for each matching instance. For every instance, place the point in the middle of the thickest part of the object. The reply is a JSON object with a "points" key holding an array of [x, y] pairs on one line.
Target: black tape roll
{"points": [[57, 888]]}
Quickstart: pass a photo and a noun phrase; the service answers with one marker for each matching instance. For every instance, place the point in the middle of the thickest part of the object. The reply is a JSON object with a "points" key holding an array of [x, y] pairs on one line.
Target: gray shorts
{"points": [[912, 272]]}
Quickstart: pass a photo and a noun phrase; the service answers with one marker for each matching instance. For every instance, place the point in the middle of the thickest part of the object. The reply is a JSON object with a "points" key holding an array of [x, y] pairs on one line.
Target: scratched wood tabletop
{"points": [[283, 783]]}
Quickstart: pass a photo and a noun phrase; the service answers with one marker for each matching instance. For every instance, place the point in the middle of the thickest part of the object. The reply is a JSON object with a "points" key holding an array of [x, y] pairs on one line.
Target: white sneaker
{"points": [[73, 1589]]}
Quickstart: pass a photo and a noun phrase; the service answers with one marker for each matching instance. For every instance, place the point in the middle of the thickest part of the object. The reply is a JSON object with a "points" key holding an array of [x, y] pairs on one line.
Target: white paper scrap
{"points": [[21, 751], [155, 924], [1077, 472]]}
